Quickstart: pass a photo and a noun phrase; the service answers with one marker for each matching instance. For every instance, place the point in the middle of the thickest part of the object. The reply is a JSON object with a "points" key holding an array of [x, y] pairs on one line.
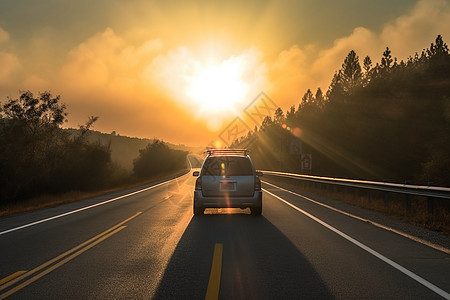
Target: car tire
{"points": [[198, 210], [256, 211]]}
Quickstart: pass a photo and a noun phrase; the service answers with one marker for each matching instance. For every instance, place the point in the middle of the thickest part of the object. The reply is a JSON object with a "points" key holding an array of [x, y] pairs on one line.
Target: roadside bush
{"points": [[158, 158], [38, 157]]}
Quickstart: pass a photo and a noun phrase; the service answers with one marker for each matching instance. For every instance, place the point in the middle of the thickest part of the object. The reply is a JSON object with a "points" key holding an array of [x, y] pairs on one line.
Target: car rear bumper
{"points": [[224, 201]]}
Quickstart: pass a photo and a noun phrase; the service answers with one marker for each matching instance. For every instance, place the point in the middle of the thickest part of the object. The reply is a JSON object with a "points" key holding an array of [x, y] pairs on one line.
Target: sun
{"points": [[217, 86]]}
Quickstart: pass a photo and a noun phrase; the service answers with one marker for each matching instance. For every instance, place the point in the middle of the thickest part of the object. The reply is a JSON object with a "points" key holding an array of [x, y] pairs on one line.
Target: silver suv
{"points": [[228, 179]]}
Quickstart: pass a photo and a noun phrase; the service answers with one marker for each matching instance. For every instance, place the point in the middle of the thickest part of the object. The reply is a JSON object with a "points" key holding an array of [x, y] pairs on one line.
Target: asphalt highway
{"points": [[145, 243]]}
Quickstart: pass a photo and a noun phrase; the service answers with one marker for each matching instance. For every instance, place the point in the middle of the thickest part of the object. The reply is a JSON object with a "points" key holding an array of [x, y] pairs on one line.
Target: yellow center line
{"points": [[11, 277], [68, 255], [214, 277], [59, 264]]}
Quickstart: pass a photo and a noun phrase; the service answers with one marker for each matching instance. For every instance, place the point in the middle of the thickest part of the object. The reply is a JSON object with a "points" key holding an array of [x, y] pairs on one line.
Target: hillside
{"points": [[125, 149], [388, 122]]}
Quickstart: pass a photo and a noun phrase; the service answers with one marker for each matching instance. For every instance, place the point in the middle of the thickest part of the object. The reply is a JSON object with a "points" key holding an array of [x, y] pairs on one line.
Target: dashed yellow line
{"points": [[216, 270]]}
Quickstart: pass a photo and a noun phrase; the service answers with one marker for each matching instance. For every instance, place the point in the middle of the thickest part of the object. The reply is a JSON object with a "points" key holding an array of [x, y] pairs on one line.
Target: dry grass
{"points": [[45, 201], [394, 205]]}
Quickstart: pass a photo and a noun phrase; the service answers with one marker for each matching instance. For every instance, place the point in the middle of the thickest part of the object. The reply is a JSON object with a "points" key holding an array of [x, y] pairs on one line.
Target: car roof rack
{"points": [[227, 151]]}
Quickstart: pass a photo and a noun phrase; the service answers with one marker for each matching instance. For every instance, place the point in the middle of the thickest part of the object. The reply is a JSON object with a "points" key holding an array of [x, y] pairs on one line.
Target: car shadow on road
{"points": [[259, 262]]}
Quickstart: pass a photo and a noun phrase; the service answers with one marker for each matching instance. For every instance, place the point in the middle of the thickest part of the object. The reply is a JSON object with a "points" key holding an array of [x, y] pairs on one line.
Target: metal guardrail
{"points": [[418, 190], [430, 192]]}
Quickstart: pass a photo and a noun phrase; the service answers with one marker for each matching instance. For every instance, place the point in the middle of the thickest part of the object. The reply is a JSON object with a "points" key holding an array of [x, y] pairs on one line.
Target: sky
{"points": [[183, 71]]}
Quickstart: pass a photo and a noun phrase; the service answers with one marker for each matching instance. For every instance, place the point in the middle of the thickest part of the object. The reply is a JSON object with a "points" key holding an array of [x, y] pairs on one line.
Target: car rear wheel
{"points": [[198, 210], [256, 211]]}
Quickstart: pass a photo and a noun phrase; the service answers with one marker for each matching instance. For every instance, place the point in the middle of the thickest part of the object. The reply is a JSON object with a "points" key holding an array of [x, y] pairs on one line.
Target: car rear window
{"points": [[227, 166]]}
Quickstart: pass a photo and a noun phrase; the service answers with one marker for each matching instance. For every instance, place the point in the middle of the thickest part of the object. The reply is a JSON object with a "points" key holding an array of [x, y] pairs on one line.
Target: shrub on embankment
{"points": [[38, 157], [158, 158]]}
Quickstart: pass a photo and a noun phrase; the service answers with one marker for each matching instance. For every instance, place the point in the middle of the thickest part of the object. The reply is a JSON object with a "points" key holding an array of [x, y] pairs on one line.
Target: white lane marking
{"points": [[408, 236], [405, 271], [87, 207]]}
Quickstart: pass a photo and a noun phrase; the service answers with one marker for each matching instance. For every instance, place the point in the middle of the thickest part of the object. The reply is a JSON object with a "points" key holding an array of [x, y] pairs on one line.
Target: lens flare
{"points": [[297, 132], [218, 86]]}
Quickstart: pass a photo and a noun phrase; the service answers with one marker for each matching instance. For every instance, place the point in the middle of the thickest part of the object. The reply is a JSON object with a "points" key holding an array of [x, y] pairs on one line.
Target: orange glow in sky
{"points": [[217, 86], [181, 71]]}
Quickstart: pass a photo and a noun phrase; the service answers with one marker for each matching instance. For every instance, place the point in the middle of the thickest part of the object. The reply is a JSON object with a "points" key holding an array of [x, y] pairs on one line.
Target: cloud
{"points": [[128, 83], [289, 74], [102, 76], [172, 71], [4, 36], [106, 60], [415, 31], [88, 63], [297, 69], [9, 62], [169, 70], [363, 41], [142, 88]]}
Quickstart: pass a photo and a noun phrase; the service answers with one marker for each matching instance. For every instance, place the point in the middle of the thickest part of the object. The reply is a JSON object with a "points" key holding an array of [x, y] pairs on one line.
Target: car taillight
{"points": [[257, 184], [198, 184]]}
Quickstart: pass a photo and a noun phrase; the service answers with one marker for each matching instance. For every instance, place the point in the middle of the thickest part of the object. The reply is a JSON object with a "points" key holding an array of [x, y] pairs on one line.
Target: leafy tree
{"points": [[37, 156], [42, 111], [30, 138], [84, 129], [158, 158]]}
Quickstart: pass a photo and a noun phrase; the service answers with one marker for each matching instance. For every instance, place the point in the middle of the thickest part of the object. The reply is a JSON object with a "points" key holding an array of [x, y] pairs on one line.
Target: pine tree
{"points": [[266, 123], [367, 65], [290, 113], [279, 116], [335, 90], [351, 72], [320, 99], [386, 60], [308, 98], [440, 48]]}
